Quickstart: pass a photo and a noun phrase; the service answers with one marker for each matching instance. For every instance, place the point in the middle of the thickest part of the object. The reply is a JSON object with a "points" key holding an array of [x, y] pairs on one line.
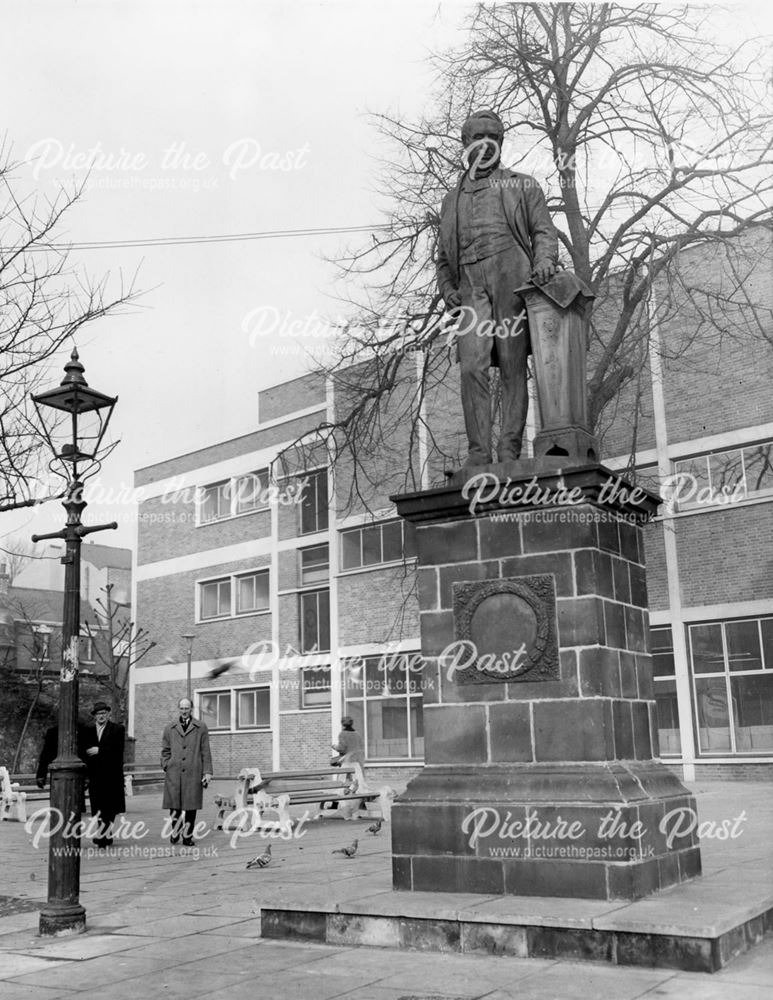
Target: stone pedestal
{"points": [[539, 725]]}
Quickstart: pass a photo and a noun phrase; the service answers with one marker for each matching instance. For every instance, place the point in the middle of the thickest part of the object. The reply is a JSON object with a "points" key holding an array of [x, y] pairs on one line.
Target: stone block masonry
{"points": [[540, 777]]}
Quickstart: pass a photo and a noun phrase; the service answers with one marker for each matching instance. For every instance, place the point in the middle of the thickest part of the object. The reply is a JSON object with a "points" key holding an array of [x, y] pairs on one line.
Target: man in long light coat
{"points": [[187, 763]]}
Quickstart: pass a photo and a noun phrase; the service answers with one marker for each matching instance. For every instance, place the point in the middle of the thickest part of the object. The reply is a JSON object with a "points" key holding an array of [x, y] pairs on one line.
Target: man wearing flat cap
{"points": [[495, 235], [104, 742]]}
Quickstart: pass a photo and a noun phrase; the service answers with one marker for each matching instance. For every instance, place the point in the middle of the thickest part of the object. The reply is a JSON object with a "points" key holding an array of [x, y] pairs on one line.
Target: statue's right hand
{"points": [[453, 300]]}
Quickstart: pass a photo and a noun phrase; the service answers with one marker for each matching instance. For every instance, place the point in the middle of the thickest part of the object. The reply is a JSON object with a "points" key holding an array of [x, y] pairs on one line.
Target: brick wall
{"points": [[166, 609], [378, 606], [726, 555], [168, 529], [298, 394], [655, 562], [305, 740]]}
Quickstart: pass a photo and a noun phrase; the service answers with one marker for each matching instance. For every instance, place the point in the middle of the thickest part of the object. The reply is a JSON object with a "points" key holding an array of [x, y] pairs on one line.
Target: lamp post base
{"points": [[55, 920]]}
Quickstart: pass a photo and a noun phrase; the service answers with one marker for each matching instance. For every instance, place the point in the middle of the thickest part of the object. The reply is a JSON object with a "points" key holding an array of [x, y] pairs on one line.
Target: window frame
{"points": [[324, 703], [723, 677], [303, 596], [322, 503], [362, 528], [233, 694], [232, 484], [232, 579], [411, 698]]}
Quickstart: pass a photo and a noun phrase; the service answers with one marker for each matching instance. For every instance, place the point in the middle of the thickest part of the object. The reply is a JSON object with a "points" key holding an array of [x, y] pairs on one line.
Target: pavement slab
{"points": [[178, 925]]}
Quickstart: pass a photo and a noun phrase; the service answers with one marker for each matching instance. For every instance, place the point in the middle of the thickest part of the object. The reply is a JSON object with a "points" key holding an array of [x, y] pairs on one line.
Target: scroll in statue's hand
{"points": [[453, 300]]}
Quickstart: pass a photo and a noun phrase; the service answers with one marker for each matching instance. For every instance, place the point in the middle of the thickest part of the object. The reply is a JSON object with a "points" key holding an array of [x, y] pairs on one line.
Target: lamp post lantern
{"points": [[189, 637], [74, 418]]}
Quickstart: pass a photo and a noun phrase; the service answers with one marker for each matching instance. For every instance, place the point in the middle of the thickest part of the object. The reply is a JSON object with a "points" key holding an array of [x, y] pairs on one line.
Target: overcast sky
{"points": [[190, 109]]}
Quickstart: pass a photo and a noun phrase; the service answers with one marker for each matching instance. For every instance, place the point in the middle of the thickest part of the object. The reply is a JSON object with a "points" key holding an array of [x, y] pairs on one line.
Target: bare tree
{"points": [[44, 301], [16, 554], [651, 139], [118, 644]]}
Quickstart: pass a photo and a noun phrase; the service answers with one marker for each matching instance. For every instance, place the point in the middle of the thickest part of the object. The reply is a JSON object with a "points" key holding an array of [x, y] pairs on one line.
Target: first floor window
{"points": [[216, 598], [731, 665], [253, 709], [315, 621], [315, 687], [215, 709], [383, 696], [252, 593], [236, 708]]}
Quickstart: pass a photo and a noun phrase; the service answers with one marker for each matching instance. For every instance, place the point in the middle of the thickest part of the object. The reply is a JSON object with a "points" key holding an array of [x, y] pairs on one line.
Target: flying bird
{"points": [[375, 828], [261, 860], [221, 668], [348, 852]]}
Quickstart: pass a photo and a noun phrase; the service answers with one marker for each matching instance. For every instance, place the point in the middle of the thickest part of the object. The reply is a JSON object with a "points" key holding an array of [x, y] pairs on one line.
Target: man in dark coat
{"points": [[104, 743], [495, 235], [187, 763]]}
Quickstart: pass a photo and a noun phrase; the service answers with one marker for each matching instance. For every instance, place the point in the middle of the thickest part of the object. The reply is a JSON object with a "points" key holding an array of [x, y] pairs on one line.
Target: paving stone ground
{"points": [[166, 922]]}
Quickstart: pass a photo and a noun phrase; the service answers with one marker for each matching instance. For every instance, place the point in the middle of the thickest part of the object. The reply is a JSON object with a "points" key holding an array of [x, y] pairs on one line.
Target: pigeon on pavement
{"points": [[261, 860], [375, 828], [348, 852]]}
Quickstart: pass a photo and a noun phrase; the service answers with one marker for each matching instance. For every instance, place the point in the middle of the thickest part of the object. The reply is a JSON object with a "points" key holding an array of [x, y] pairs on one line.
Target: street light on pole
{"points": [[74, 418], [189, 637]]}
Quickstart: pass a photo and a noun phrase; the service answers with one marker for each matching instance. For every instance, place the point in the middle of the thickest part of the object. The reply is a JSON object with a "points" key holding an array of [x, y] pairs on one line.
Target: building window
{"points": [[372, 544], [251, 492], [724, 477], [664, 676], [215, 502], [215, 709], [252, 593], [314, 509], [315, 687], [231, 497], [215, 599], [732, 673], [383, 696], [253, 709], [236, 709], [86, 649], [315, 565], [240, 594], [315, 621]]}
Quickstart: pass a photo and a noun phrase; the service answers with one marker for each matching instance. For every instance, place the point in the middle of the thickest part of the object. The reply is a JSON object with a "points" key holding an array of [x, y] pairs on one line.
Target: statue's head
{"points": [[482, 135]]}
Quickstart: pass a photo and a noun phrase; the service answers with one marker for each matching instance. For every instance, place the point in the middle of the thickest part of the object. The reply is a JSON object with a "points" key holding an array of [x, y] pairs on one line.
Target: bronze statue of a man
{"points": [[496, 235]]}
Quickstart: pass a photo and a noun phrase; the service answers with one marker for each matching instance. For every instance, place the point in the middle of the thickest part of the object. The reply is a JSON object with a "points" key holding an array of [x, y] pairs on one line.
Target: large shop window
{"points": [[664, 675], [314, 507], [372, 544], [236, 708], [383, 696], [732, 675]]}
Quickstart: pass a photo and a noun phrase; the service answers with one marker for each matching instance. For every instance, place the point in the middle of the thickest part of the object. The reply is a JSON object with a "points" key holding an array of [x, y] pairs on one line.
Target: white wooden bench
{"points": [[263, 800], [13, 802]]}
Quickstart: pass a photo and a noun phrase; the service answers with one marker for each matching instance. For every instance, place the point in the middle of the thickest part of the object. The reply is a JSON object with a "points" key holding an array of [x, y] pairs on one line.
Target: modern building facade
{"points": [[303, 606]]}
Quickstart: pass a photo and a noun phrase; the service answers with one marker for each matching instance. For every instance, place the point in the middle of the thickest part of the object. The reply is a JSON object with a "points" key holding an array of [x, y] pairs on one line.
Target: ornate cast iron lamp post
{"points": [[74, 418]]}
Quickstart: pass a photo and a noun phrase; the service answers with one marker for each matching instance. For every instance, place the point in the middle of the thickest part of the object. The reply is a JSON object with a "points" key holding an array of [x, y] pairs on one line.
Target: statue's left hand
{"points": [[543, 271]]}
